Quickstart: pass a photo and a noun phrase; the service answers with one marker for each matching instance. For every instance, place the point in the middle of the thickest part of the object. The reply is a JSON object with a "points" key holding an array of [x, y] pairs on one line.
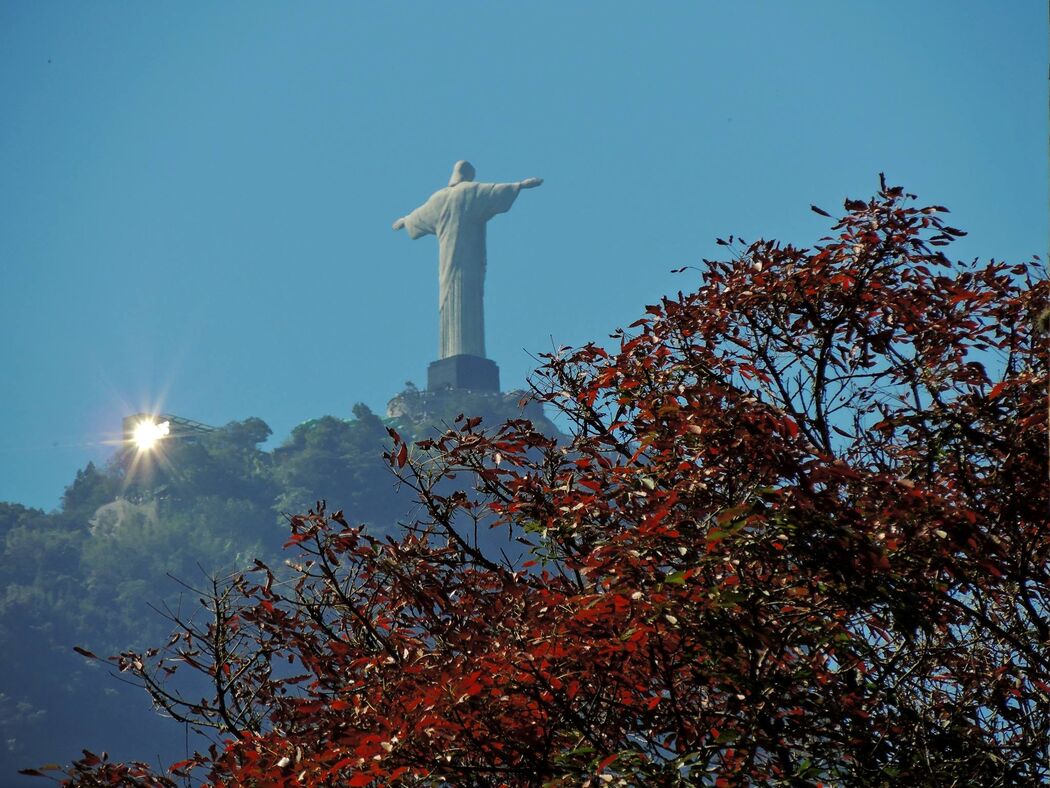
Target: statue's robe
{"points": [[457, 216]]}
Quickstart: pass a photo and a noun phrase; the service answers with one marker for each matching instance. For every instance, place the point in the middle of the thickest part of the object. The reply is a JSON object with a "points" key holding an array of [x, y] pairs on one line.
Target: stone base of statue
{"points": [[463, 372]]}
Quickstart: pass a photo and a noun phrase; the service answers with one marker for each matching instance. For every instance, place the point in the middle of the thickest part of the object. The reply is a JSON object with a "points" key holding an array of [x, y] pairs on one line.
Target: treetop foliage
{"points": [[798, 536]]}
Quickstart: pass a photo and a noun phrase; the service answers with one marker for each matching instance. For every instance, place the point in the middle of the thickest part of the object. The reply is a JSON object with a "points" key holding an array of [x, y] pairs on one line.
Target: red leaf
{"points": [[84, 652], [402, 455], [338, 765], [963, 296], [997, 389]]}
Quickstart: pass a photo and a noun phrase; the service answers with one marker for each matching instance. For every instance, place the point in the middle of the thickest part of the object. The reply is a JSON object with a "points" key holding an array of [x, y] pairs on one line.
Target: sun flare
{"points": [[147, 432]]}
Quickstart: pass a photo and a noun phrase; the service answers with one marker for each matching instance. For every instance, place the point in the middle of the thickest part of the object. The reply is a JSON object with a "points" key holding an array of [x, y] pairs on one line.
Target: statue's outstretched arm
{"points": [[399, 223], [530, 183]]}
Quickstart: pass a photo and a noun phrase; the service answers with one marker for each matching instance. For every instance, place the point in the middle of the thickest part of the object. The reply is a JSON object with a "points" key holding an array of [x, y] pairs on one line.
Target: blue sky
{"points": [[196, 198]]}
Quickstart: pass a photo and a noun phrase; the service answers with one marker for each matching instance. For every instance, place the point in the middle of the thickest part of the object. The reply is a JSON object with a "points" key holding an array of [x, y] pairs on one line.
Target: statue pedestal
{"points": [[463, 372]]}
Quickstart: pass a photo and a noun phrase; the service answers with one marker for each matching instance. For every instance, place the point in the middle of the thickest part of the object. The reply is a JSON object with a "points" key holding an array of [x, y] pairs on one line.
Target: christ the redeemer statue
{"points": [[457, 215]]}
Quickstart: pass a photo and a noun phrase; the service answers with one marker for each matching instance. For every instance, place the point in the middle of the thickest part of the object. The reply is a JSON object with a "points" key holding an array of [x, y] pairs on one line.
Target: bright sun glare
{"points": [[148, 432]]}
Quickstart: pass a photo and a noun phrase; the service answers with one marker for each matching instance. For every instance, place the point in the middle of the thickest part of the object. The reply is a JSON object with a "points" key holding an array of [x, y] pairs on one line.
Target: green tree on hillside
{"points": [[336, 459]]}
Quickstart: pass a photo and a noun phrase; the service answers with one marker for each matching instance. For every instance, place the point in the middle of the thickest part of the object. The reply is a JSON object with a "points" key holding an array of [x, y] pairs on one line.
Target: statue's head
{"points": [[462, 171]]}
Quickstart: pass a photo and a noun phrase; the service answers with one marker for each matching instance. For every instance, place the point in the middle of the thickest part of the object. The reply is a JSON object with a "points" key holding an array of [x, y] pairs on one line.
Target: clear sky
{"points": [[196, 197]]}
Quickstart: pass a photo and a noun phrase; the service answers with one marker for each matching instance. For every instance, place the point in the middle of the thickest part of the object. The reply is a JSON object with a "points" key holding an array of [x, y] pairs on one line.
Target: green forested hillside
{"points": [[130, 537]]}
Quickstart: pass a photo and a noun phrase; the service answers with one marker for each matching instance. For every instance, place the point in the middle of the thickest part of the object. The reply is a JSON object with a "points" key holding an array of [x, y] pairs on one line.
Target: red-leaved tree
{"points": [[798, 535]]}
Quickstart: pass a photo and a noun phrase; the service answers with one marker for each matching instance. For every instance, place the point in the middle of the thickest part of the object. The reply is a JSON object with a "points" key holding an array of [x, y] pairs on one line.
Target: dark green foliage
{"points": [[89, 490], [336, 459], [417, 414], [93, 572]]}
